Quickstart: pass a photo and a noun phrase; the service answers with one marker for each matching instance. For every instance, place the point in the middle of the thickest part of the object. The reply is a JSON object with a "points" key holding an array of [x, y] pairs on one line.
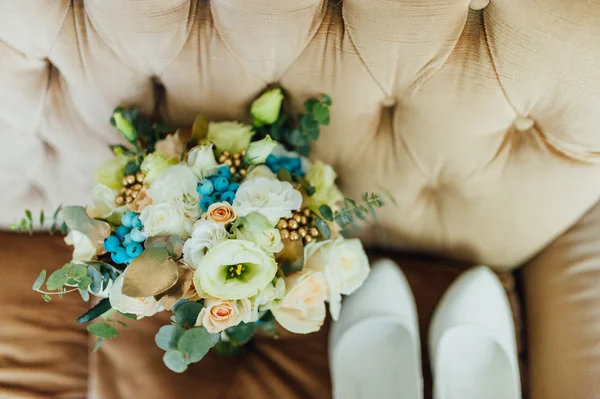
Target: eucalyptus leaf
{"points": [[187, 314], [320, 113], [85, 295], [175, 361], [102, 307], [195, 344], [226, 349], [56, 280], [97, 284], [323, 228], [77, 271], [309, 104], [39, 281], [98, 344], [242, 333], [84, 283], [325, 99], [46, 297], [102, 330], [168, 336], [326, 212]]}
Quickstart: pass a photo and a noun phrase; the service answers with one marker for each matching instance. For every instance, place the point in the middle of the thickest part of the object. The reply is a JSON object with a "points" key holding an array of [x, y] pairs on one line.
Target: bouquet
{"points": [[227, 225]]}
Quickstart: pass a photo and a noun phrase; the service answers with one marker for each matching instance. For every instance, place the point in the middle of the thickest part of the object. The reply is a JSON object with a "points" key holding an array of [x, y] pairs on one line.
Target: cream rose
{"points": [[166, 219], [344, 264], [272, 198], [221, 213], [260, 171], [141, 307], [103, 198], [201, 161], [269, 240], [83, 247], [234, 269], [322, 178], [219, 314], [171, 146], [205, 235], [302, 309], [268, 298], [140, 202]]}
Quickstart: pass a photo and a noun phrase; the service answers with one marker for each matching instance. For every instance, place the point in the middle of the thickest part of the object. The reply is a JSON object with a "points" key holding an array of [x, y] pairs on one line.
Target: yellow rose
{"points": [[229, 136], [153, 164], [302, 309], [322, 177], [110, 173]]}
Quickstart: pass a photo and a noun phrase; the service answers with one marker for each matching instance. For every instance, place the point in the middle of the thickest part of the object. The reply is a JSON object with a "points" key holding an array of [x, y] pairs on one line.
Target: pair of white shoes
{"points": [[375, 350]]}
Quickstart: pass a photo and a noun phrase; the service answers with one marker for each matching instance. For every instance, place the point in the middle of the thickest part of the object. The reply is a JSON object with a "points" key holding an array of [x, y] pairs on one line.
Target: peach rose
{"points": [[141, 201], [218, 314], [302, 309], [171, 146], [221, 213]]}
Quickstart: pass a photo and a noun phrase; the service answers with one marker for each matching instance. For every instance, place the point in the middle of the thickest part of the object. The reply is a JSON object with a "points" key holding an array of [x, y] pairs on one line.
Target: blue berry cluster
{"points": [[217, 188], [291, 164], [126, 243]]}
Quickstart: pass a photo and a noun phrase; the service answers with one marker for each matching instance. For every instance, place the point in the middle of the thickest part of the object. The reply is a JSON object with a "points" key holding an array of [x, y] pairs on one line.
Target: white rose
{"points": [[234, 269], [269, 241], [302, 309], [272, 198], [260, 171], [205, 235], [83, 247], [269, 298], [140, 307], [218, 314], [344, 264], [166, 219], [103, 198], [176, 184], [201, 161]]}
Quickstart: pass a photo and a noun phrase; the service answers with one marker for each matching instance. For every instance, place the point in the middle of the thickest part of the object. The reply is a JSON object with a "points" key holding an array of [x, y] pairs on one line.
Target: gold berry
{"points": [[306, 212], [226, 153], [293, 224], [134, 194], [137, 186], [228, 162], [314, 232], [294, 236], [232, 169], [119, 200], [242, 172], [304, 220], [243, 152], [128, 191], [284, 233], [130, 179], [122, 190], [297, 218], [308, 239], [124, 180], [140, 176], [282, 224], [237, 156], [222, 158], [129, 199], [237, 162], [302, 231]]}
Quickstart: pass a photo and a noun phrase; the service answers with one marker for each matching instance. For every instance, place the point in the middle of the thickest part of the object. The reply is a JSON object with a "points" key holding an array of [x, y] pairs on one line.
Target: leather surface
{"points": [[480, 118]]}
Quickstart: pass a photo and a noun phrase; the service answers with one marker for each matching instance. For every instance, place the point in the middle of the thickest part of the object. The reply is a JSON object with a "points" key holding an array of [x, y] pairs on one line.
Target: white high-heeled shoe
{"points": [[375, 350], [472, 341]]}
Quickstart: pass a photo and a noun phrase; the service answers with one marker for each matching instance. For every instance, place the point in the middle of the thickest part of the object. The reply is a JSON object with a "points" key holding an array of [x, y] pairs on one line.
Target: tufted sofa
{"points": [[480, 118]]}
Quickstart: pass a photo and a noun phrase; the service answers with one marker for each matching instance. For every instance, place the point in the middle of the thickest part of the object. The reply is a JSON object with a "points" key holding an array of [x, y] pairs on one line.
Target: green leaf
{"points": [[325, 99], [313, 135], [307, 122], [102, 307], [42, 218], [131, 168], [76, 271], [320, 113], [168, 336], [346, 216], [39, 281], [350, 203], [226, 349], [96, 285], [175, 361], [56, 280], [195, 344], [284, 175], [242, 333], [326, 212], [123, 324], [98, 344], [28, 215], [129, 316], [46, 297], [85, 295], [323, 228], [339, 220], [187, 314], [309, 104], [84, 283], [297, 138], [215, 338], [102, 330]]}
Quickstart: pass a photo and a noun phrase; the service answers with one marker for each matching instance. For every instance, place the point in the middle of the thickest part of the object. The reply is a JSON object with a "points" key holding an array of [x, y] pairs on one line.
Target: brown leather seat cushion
{"points": [[44, 353]]}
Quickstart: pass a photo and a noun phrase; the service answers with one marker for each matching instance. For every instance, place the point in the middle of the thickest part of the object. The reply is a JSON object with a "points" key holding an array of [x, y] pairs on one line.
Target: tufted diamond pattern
{"points": [[481, 118]]}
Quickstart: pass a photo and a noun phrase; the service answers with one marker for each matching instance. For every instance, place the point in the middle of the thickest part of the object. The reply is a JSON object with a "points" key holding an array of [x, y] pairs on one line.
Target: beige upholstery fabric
{"points": [[481, 120]]}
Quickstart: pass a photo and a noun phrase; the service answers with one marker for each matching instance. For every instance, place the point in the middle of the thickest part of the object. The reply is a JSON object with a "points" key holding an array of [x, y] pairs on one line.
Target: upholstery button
{"points": [[523, 123], [478, 4], [388, 101]]}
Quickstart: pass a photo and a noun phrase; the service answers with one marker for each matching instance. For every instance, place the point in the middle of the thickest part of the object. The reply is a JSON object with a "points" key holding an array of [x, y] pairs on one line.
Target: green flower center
{"points": [[238, 272]]}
